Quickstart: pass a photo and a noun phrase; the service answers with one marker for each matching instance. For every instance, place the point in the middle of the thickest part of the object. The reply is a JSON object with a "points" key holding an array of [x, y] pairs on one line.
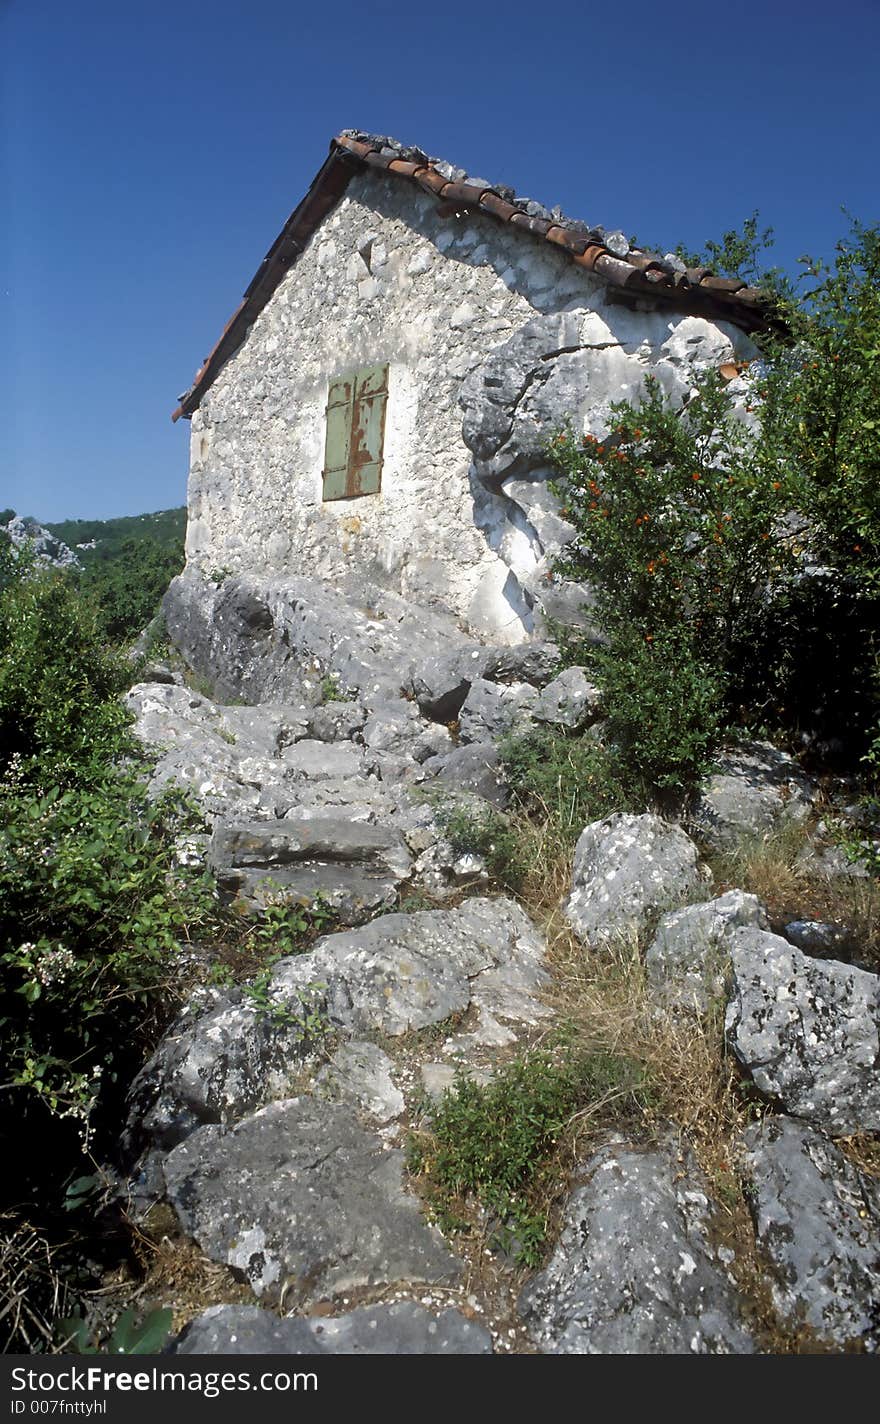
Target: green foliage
{"points": [[473, 828], [93, 904], [94, 909], [665, 715], [820, 403], [59, 684], [563, 778], [128, 1336], [166, 527], [126, 590], [738, 254], [678, 533], [497, 1141]]}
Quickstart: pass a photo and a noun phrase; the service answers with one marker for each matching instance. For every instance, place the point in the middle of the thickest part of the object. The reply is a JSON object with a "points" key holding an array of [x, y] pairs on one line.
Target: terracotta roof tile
{"points": [[608, 254]]}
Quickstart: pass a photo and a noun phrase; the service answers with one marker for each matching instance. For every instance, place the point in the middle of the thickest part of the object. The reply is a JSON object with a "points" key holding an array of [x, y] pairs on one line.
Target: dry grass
{"points": [[694, 1090], [33, 1293], [767, 866]]}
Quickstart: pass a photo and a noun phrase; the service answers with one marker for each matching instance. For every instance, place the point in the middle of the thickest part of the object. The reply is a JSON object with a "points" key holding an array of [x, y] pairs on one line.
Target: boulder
{"points": [[280, 636], [305, 1204], [229, 757], [336, 721], [225, 1055], [626, 868], [474, 768], [361, 1074], [806, 1030], [401, 973], [534, 661], [404, 1328], [634, 1271], [818, 937], [687, 960], [755, 789], [571, 701], [817, 1221], [405, 972], [352, 866], [491, 710]]}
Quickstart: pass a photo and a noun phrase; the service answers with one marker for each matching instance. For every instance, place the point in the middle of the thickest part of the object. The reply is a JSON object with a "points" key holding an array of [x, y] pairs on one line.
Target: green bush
{"points": [[562, 778], [677, 516], [59, 684], [665, 715], [474, 829], [497, 1141], [94, 909], [750, 566], [126, 590], [820, 405]]}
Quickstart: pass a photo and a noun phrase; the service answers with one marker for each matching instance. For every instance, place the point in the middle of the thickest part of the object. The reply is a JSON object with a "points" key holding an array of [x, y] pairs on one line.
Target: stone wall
{"points": [[466, 313]]}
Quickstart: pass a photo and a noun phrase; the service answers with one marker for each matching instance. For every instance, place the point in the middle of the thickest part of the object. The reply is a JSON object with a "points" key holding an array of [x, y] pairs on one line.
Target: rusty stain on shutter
{"points": [[355, 434]]}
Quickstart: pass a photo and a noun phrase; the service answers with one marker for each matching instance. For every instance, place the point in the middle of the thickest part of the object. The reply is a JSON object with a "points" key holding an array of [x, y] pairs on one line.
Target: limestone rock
{"points": [[688, 957], [336, 721], [361, 1074], [403, 1328], [625, 869], [491, 711], [570, 701], [352, 866], [755, 789], [472, 768], [222, 1058], [806, 1030], [278, 636], [534, 661], [818, 1222], [304, 1203], [634, 1271], [818, 937], [405, 972]]}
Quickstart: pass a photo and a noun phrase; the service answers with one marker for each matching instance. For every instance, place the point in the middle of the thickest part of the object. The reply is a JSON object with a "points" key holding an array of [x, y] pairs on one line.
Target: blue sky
{"points": [[151, 153]]}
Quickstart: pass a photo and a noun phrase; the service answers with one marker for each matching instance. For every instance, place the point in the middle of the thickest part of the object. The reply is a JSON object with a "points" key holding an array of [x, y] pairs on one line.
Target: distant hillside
{"points": [[167, 528]]}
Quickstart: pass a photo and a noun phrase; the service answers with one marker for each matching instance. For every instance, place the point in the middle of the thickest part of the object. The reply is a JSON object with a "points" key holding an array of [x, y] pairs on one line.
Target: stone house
{"points": [[378, 405]]}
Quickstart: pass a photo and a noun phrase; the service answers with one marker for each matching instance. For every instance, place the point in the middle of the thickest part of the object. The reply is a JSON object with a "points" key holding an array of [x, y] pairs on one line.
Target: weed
{"points": [[498, 1141], [474, 828], [128, 1335], [561, 779]]}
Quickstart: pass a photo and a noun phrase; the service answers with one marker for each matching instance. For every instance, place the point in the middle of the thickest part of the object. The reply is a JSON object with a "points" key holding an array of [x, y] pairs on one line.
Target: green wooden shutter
{"points": [[340, 402], [355, 434]]}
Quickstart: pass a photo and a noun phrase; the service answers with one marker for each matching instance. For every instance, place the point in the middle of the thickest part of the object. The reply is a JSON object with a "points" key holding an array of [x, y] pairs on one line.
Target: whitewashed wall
{"points": [[386, 279]]}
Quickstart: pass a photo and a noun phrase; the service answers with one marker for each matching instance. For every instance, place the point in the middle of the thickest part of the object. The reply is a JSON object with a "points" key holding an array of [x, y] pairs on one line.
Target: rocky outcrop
{"points": [[304, 1203], [404, 1328], [818, 1223], [399, 974], [755, 789], [807, 1031], [687, 961], [563, 370], [634, 1271], [272, 1116], [278, 638], [46, 549], [626, 868]]}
